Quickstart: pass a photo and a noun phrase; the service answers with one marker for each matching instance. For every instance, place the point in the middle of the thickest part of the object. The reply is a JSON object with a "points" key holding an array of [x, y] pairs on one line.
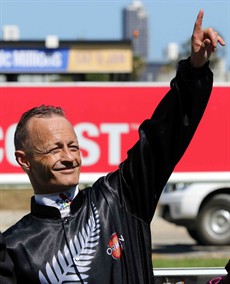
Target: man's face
{"points": [[54, 159]]}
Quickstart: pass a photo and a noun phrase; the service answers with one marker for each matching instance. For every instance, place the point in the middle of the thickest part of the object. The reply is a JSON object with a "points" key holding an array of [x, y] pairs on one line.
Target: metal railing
{"points": [[187, 275]]}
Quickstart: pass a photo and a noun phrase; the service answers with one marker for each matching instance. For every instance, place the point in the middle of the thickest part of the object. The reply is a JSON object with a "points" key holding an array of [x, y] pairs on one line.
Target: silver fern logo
{"points": [[72, 265]]}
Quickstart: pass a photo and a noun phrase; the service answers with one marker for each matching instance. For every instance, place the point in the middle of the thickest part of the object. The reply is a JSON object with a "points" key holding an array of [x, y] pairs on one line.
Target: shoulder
{"points": [[105, 187], [15, 232]]}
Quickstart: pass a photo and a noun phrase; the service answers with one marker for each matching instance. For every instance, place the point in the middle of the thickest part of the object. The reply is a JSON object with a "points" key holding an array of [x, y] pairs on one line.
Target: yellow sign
{"points": [[100, 59]]}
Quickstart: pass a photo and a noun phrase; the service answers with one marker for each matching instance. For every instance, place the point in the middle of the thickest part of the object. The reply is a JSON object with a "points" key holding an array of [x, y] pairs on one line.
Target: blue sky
{"points": [[169, 20]]}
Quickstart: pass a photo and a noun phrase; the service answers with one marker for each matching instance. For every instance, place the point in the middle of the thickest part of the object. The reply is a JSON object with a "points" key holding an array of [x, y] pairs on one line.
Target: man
{"points": [[101, 235], [6, 266]]}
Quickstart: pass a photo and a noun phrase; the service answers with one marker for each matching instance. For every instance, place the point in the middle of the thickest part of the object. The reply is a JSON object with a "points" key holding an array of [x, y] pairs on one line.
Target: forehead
{"points": [[53, 127]]}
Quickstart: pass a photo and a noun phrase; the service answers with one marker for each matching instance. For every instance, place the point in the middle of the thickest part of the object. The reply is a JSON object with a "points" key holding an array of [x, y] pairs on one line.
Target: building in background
{"points": [[136, 29]]}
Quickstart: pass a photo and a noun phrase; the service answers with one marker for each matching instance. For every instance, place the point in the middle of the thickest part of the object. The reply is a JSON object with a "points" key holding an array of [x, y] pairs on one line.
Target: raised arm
{"points": [[164, 137]]}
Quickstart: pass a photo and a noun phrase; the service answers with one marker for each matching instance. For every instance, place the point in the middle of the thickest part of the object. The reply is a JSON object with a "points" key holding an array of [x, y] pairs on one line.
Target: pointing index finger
{"points": [[199, 20]]}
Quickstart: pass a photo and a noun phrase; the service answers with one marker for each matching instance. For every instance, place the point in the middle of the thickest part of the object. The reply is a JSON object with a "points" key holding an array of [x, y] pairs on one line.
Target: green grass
{"points": [[189, 262]]}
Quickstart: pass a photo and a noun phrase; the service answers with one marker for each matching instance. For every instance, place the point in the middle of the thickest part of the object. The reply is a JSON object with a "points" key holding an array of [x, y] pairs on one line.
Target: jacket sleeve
{"points": [[6, 265], [163, 140]]}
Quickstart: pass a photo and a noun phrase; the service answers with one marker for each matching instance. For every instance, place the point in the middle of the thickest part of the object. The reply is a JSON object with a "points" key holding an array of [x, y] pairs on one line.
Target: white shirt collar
{"points": [[60, 200]]}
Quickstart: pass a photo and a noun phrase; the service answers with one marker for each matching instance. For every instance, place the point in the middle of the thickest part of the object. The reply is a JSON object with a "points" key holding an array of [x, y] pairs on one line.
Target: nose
{"points": [[67, 155]]}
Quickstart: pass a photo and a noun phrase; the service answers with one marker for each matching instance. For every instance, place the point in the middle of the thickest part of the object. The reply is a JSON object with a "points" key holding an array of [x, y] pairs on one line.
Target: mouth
{"points": [[66, 169], [67, 172]]}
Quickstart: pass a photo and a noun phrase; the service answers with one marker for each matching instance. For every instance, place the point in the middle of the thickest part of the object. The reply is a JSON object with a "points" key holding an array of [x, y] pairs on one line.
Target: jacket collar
{"points": [[43, 211]]}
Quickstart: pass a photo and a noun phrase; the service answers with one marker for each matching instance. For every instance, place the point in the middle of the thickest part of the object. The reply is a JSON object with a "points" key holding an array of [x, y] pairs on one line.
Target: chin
{"points": [[60, 185], [69, 184]]}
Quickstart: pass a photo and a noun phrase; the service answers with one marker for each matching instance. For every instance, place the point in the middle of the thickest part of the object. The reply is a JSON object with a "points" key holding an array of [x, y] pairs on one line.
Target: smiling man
{"points": [[52, 158], [101, 235]]}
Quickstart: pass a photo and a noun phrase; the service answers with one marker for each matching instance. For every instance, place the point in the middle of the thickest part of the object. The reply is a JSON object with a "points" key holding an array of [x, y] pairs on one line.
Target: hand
{"points": [[203, 42]]}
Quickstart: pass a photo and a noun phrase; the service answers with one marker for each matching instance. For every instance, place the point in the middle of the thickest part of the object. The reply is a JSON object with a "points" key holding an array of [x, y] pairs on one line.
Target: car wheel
{"points": [[213, 222], [193, 234]]}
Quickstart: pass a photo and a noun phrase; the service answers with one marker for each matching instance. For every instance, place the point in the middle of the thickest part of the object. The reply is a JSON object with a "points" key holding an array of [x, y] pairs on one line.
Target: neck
{"points": [[60, 200]]}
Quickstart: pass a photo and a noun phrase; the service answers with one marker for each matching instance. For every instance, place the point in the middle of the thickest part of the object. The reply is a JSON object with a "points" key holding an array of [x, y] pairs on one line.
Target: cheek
{"points": [[78, 158], [44, 166], [42, 170]]}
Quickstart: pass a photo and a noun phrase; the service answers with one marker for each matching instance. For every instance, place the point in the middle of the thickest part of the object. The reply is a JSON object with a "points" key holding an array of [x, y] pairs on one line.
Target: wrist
{"points": [[196, 63], [185, 67]]}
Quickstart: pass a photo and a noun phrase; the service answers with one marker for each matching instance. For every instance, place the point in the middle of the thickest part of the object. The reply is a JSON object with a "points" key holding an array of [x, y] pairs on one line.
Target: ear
{"points": [[22, 159]]}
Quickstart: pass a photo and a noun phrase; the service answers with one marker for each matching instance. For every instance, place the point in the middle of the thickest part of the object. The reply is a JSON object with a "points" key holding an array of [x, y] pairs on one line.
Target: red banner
{"points": [[106, 119]]}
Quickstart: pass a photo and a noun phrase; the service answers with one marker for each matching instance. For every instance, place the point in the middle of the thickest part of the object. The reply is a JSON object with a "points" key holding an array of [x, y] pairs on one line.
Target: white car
{"points": [[203, 208]]}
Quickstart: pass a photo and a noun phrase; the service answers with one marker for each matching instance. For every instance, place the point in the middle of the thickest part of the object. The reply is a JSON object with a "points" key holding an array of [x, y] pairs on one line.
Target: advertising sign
{"points": [[26, 60], [106, 119], [76, 59]]}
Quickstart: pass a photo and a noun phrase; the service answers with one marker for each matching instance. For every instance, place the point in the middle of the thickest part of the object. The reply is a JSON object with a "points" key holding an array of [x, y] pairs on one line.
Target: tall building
{"points": [[135, 28]]}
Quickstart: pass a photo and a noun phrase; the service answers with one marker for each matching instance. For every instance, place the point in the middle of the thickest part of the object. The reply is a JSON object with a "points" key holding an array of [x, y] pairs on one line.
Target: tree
{"points": [[138, 66]]}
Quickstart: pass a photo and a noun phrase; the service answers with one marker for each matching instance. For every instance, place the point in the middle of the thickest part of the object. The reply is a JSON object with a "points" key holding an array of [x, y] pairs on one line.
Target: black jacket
{"points": [[106, 239], [6, 265]]}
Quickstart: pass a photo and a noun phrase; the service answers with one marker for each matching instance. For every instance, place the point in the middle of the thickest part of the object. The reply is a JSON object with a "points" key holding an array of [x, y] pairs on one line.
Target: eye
{"points": [[74, 147], [54, 150]]}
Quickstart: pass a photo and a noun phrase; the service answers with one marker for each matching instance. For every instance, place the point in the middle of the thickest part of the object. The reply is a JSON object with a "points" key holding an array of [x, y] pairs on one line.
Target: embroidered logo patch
{"points": [[64, 200], [114, 246]]}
